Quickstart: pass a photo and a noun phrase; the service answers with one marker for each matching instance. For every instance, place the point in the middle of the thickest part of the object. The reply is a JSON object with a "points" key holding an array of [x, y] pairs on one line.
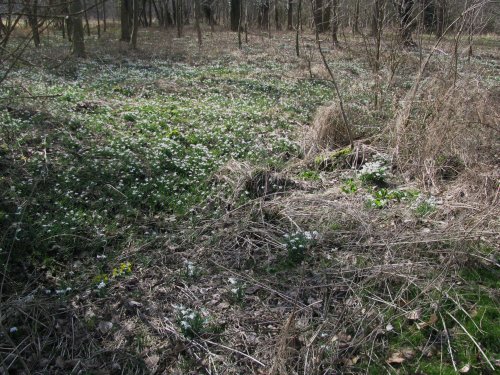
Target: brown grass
{"points": [[453, 131], [328, 130]]}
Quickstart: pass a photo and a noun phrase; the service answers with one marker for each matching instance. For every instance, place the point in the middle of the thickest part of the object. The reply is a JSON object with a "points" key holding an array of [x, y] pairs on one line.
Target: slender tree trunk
{"points": [[440, 17], [104, 15], [33, 22], [246, 21], [277, 15], [159, 16], [150, 13], [355, 23], [320, 16], [263, 15], [143, 18], [375, 13], [290, 15], [299, 16], [335, 23], [77, 28], [239, 27], [125, 20], [235, 14], [86, 17], [135, 23], [98, 19], [179, 18], [405, 13], [69, 25], [197, 16]]}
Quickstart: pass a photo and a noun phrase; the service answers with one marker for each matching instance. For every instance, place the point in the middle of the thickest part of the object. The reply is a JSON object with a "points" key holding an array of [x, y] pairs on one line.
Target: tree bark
{"points": [[125, 20], [355, 23], [104, 15], [405, 13], [290, 15], [98, 19], [197, 15], [299, 15], [235, 14], [77, 28], [440, 17], [179, 19], [335, 22], [135, 23], [86, 17], [263, 17], [33, 22], [276, 15], [321, 15]]}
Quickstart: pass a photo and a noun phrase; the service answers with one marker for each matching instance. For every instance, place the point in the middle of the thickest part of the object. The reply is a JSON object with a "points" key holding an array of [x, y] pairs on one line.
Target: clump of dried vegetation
{"points": [[409, 287]]}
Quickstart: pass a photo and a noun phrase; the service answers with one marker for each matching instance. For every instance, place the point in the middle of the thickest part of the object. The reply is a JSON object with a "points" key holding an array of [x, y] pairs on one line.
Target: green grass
{"points": [[474, 307], [122, 144]]}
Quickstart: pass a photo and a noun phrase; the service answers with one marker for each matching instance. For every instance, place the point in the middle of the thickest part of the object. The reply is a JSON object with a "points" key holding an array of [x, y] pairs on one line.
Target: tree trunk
{"points": [[125, 20], [77, 28], [179, 18], [335, 22], [150, 13], [86, 17], [375, 17], [405, 13], [299, 15], [33, 22], [321, 15], [197, 15], [276, 15], [104, 15], [135, 23], [355, 23], [98, 19], [263, 16], [290, 15], [440, 17], [235, 14], [69, 26]]}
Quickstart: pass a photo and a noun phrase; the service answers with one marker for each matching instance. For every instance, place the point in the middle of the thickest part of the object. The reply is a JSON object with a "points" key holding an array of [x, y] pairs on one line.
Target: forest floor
{"points": [[176, 210]]}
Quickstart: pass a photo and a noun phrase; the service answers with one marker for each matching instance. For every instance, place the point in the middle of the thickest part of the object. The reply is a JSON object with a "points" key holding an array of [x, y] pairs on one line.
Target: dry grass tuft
{"points": [[328, 130], [452, 132]]}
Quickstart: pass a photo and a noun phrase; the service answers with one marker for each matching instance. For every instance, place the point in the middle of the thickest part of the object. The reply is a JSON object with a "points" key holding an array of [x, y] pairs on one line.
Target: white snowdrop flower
{"points": [[232, 280], [13, 329], [101, 285], [234, 291], [101, 256]]}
